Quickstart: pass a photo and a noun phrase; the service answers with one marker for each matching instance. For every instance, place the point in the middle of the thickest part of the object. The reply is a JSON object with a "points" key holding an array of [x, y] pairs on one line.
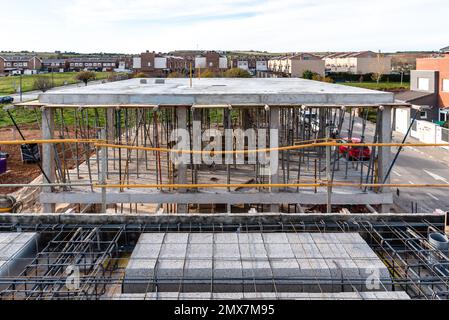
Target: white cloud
{"points": [[281, 25]]}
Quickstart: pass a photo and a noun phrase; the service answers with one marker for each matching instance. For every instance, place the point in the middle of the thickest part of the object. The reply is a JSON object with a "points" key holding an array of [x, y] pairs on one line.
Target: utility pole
{"points": [[20, 87]]}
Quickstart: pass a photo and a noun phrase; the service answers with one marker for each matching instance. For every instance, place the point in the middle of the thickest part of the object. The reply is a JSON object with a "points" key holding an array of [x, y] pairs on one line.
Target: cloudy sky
{"points": [[131, 26]]}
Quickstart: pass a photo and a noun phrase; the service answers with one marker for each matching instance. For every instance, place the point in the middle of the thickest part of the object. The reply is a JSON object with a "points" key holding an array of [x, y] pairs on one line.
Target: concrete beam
{"points": [[217, 218], [224, 197]]}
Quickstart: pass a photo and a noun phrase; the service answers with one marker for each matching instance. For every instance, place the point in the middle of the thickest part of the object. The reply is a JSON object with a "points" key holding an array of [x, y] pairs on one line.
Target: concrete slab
{"points": [[216, 91]]}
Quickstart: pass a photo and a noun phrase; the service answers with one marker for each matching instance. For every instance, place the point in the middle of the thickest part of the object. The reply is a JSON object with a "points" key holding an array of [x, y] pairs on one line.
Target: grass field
{"points": [[8, 85], [383, 86]]}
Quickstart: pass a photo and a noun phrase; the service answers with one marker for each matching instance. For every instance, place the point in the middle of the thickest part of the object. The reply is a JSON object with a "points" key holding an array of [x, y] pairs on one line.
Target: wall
{"points": [[440, 64], [299, 66], [373, 65]]}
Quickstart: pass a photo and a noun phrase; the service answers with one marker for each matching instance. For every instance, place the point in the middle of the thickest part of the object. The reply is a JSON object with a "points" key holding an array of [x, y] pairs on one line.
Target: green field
{"points": [[8, 85], [383, 86]]}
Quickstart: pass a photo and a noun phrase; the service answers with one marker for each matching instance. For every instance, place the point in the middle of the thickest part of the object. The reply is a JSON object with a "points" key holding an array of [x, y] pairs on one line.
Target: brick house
{"points": [[19, 64], [92, 63], [252, 64], [295, 65], [55, 65], [211, 60], [439, 64]]}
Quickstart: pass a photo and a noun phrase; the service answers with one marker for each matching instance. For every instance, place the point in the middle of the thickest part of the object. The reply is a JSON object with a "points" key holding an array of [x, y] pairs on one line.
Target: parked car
{"points": [[354, 152], [6, 99]]}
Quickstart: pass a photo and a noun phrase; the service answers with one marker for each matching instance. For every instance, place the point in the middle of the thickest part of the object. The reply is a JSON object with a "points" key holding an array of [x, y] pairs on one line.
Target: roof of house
{"points": [[351, 54], [445, 49], [49, 61], [410, 96], [18, 58]]}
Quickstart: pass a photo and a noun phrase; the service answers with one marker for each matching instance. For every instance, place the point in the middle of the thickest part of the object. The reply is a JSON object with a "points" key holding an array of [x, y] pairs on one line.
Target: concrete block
{"points": [[139, 276], [227, 296]]}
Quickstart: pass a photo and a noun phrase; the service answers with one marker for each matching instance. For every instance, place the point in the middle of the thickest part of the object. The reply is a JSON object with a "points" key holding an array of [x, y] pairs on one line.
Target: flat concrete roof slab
{"points": [[216, 91]]}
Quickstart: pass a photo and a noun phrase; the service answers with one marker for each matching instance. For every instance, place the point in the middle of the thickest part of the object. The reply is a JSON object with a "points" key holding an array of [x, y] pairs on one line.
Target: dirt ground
{"points": [[17, 172]]}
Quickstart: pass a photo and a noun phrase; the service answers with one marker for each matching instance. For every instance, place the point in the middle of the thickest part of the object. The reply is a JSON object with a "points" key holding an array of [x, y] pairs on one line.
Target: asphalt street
{"points": [[415, 165]]}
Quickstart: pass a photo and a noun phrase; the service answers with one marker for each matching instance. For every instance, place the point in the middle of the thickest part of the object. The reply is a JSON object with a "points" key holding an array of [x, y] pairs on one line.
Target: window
{"points": [[446, 85], [25, 64], [423, 84], [423, 114]]}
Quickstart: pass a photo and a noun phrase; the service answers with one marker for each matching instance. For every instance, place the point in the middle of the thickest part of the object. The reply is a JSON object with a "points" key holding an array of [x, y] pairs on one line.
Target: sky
{"points": [[133, 26]]}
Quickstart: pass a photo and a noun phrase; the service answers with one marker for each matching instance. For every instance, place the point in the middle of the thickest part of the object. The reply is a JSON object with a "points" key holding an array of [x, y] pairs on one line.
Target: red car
{"points": [[354, 153]]}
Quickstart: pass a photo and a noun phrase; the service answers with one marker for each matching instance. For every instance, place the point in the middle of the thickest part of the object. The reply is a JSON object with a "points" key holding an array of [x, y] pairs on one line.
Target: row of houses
{"points": [[342, 62], [13, 64], [158, 64]]}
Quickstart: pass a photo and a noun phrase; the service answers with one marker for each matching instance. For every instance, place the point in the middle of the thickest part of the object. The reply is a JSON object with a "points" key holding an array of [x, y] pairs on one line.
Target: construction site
{"points": [[214, 188]]}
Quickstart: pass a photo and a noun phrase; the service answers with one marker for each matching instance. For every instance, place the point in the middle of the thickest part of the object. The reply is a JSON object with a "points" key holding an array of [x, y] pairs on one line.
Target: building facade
{"points": [[251, 64], [92, 64], [295, 65], [438, 64], [159, 65], [211, 60], [55, 65], [357, 63], [19, 64]]}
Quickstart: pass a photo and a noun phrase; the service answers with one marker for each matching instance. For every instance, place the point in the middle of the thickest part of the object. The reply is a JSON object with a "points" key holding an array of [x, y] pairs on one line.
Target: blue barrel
{"points": [[3, 165]]}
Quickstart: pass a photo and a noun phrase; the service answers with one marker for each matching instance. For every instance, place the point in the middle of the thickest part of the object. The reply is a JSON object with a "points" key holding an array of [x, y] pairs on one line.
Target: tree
{"points": [[236, 73], [42, 83], [86, 76]]}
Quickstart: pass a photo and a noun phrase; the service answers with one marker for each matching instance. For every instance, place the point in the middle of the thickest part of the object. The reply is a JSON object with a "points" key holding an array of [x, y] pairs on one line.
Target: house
{"points": [[295, 65], [357, 62], [158, 64], [92, 63], [211, 60], [252, 64], [55, 65], [440, 65], [10, 64]]}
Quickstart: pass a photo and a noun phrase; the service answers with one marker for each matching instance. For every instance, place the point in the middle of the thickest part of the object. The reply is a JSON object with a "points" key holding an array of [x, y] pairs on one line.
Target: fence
{"points": [[429, 132]]}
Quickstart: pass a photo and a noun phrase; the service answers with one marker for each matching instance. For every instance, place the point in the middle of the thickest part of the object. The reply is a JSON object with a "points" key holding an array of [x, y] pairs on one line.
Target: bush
{"points": [[208, 74], [175, 74], [86, 76], [236, 73], [308, 74], [42, 83], [140, 75]]}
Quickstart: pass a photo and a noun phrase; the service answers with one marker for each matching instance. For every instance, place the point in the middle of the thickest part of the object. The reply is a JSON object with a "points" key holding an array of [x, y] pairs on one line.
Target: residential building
{"points": [[358, 62], [211, 60], [92, 63], [423, 96], [438, 64], [158, 64], [251, 64], [19, 64], [295, 65], [55, 65]]}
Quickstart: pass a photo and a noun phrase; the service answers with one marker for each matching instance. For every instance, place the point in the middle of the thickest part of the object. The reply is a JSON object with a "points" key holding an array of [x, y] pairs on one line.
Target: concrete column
{"points": [[181, 114], [384, 161], [274, 125], [48, 155]]}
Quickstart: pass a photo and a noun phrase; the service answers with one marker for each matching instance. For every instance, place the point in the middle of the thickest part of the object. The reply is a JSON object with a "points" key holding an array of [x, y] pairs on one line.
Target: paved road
{"points": [[420, 165]]}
